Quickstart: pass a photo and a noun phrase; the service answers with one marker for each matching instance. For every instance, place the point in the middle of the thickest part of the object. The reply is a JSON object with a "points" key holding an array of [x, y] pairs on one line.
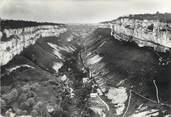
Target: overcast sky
{"points": [[78, 11]]}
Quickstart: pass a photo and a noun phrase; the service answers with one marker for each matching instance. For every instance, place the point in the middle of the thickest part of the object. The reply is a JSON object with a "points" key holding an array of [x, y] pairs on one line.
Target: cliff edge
{"points": [[150, 32], [14, 40]]}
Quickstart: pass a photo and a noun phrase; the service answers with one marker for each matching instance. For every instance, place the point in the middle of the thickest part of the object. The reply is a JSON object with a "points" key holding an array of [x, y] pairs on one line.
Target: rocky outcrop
{"points": [[13, 41], [150, 33]]}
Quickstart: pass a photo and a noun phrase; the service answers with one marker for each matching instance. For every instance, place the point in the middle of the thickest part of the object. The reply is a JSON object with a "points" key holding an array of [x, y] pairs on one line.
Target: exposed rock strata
{"points": [[18, 39], [150, 33]]}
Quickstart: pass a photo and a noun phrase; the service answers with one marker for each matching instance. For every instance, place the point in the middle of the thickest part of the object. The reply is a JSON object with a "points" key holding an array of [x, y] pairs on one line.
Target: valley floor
{"points": [[85, 72]]}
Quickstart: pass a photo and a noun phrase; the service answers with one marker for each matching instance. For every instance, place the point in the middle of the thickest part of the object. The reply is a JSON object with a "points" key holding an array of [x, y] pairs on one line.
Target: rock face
{"points": [[15, 40], [150, 33]]}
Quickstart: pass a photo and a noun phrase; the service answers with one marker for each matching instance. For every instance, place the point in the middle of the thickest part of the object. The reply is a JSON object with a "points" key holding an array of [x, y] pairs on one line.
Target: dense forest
{"points": [[166, 17], [13, 24]]}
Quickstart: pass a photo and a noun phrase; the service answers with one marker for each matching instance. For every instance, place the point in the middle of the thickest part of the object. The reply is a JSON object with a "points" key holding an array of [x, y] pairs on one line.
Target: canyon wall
{"points": [[150, 33], [13, 41]]}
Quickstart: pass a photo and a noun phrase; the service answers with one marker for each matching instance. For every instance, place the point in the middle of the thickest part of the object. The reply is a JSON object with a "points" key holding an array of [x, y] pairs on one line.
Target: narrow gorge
{"points": [[118, 68]]}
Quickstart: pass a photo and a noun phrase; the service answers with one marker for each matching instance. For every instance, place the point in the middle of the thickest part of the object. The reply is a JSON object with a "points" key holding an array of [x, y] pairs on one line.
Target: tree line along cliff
{"points": [[145, 30], [17, 35]]}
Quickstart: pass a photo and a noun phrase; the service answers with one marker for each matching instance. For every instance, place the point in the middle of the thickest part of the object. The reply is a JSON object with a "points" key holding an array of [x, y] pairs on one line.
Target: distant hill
{"points": [[166, 17]]}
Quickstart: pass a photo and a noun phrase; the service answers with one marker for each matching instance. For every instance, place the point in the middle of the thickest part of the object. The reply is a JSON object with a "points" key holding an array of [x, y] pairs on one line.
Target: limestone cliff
{"points": [[150, 33], [13, 41]]}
